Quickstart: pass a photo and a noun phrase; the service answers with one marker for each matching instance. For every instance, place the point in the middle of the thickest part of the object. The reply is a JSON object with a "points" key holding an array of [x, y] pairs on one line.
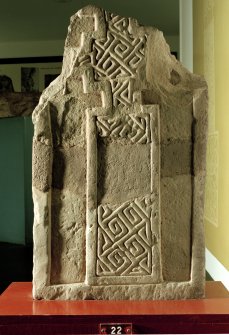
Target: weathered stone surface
{"points": [[41, 167], [119, 168], [18, 104], [176, 212], [176, 158]]}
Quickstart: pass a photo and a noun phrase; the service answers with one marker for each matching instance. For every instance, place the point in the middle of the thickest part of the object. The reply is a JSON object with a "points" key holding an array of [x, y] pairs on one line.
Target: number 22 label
{"points": [[115, 329]]}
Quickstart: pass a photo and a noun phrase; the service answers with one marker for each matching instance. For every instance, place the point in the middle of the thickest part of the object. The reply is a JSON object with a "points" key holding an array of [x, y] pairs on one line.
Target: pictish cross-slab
{"points": [[119, 168]]}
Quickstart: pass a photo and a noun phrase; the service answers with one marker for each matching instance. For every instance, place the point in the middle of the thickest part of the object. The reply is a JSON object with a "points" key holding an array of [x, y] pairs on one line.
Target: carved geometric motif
{"points": [[117, 58], [122, 92], [125, 239], [135, 128]]}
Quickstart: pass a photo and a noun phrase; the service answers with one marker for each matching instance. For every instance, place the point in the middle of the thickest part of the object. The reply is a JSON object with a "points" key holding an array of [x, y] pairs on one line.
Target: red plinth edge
{"points": [[20, 314]]}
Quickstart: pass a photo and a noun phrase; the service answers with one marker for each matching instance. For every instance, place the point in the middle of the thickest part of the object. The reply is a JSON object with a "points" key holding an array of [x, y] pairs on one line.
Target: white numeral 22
{"points": [[116, 330]]}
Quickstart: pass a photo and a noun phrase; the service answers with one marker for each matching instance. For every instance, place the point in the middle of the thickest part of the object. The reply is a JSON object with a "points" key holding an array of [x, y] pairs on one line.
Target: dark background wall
{"points": [[16, 207]]}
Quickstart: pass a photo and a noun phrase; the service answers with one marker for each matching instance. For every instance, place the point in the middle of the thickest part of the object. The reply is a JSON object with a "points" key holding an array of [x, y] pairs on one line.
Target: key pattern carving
{"points": [[136, 128], [125, 239], [117, 58], [122, 92]]}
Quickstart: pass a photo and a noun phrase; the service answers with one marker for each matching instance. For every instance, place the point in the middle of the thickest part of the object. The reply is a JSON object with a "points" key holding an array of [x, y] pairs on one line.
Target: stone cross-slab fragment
{"points": [[15, 104], [119, 168]]}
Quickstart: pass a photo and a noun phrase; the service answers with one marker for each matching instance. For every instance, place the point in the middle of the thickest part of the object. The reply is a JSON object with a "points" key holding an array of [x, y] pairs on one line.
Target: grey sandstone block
{"points": [[118, 168]]}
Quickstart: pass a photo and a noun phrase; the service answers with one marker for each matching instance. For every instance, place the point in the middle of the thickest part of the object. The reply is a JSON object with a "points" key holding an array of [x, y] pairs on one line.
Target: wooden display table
{"points": [[21, 315]]}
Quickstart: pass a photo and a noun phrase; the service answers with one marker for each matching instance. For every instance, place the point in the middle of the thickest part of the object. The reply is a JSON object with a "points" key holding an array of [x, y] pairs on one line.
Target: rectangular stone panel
{"points": [[67, 238], [126, 242], [124, 171], [68, 216], [176, 227]]}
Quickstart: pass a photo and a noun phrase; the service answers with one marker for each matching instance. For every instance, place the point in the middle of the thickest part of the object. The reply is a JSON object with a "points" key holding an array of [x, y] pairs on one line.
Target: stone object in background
{"points": [[17, 104], [119, 168], [6, 84]]}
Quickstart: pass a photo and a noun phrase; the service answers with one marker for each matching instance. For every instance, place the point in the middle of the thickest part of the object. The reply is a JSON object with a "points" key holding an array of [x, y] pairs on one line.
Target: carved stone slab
{"points": [[119, 168], [17, 104]]}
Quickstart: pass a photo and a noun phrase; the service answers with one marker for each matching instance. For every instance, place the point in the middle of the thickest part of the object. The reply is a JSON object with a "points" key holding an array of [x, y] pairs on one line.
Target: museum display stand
{"points": [[21, 315]]}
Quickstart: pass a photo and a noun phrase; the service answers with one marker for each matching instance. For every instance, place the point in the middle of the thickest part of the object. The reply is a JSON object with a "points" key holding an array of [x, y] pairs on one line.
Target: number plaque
{"points": [[115, 328]]}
